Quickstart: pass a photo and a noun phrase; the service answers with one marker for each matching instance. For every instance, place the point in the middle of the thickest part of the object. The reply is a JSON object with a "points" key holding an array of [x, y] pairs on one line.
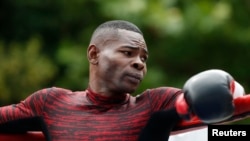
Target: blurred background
{"points": [[43, 42]]}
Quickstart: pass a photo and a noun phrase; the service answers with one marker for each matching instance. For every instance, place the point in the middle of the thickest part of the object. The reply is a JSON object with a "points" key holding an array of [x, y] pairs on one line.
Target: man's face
{"points": [[122, 62]]}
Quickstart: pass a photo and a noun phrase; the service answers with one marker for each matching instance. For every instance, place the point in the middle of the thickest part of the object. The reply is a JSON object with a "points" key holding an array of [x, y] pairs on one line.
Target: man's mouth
{"points": [[135, 78]]}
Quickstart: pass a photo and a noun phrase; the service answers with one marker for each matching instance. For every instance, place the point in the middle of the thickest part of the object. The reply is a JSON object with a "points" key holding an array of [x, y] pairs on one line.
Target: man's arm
{"points": [[24, 116]]}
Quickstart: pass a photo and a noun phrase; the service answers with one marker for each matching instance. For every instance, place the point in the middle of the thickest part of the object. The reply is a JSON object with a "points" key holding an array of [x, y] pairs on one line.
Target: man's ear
{"points": [[93, 54]]}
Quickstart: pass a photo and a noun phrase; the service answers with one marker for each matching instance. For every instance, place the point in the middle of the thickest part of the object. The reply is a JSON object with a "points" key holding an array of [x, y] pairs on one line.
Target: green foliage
{"points": [[23, 70], [74, 64]]}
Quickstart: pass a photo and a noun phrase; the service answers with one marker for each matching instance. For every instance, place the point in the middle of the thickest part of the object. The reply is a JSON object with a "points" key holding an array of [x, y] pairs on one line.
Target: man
{"points": [[106, 111]]}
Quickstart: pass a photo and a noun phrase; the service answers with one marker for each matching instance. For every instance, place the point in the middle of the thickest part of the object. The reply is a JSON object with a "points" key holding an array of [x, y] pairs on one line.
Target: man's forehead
{"points": [[135, 37], [137, 47], [124, 37]]}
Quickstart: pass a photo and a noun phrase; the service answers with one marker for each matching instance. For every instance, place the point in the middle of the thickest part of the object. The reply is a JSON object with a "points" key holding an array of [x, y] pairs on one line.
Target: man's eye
{"points": [[144, 59], [128, 53]]}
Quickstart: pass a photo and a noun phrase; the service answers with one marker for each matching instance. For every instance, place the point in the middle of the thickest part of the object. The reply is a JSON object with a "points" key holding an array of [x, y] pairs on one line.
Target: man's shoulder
{"points": [[59, 89], [163, 90], [51, 91], [161, 97]]}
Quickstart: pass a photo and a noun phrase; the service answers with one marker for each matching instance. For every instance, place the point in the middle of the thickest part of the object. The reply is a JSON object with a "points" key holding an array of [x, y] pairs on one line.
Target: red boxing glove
{"points": [[237, 90], [242, 108], [241, 104], [209, 96], [240, 101]]}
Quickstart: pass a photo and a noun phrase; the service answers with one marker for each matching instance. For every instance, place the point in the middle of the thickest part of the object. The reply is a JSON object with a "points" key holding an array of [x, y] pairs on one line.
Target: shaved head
{"points": [[110, 29]]}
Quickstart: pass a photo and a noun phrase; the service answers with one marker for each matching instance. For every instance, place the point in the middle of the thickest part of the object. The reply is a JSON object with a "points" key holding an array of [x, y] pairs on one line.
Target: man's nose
{"points": [[138, 63]]}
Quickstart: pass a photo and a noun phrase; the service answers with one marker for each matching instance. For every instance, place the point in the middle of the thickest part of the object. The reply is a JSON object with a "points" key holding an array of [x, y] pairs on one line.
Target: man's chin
{"points": [[130, 90], [127, 90]]}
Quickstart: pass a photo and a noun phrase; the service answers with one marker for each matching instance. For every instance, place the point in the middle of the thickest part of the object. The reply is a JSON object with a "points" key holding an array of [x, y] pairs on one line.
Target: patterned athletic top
{"points": [[64, 115]]}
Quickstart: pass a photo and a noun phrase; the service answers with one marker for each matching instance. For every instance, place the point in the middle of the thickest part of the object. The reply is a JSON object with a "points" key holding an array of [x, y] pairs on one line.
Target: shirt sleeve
{"points": [[30, 107], [163, 98]]}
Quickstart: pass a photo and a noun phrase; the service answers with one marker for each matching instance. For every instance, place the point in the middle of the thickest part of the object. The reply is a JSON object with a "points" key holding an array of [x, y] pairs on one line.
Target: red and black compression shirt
{"points": [[64, 115]]}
